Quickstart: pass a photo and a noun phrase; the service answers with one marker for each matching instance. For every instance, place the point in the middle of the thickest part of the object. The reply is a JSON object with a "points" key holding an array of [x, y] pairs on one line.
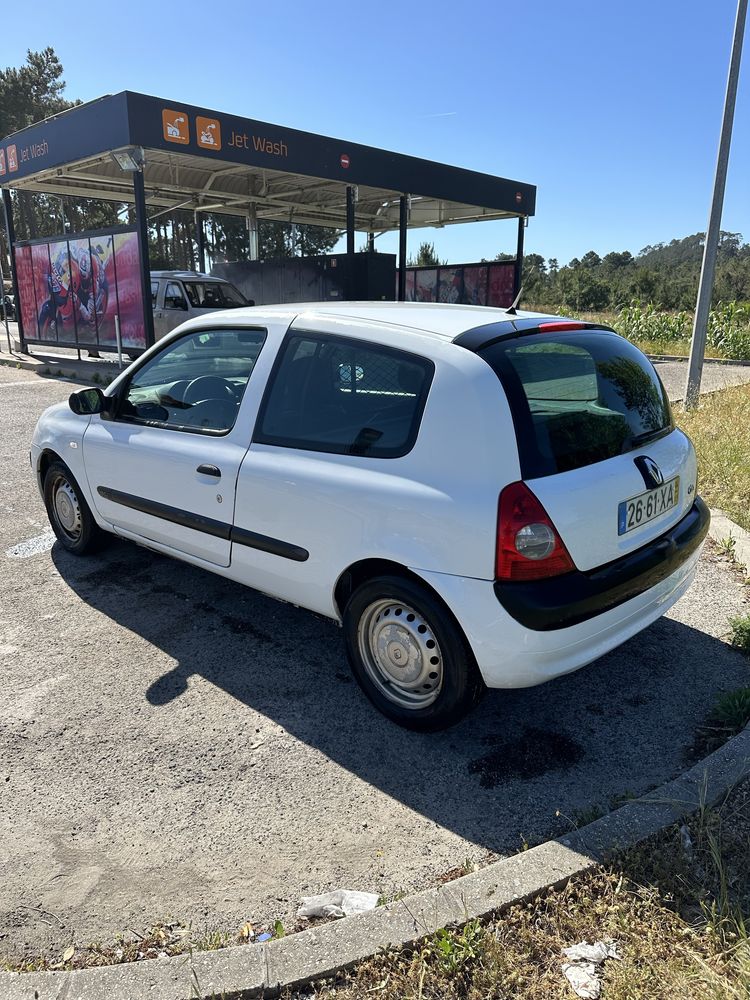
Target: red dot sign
{"points": [[344, 161]]}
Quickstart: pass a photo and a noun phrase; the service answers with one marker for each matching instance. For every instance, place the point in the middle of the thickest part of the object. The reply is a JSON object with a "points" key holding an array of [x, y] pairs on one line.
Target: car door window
{"points": [[154, 292], [174, 298], [195, 384], [345, 396]]}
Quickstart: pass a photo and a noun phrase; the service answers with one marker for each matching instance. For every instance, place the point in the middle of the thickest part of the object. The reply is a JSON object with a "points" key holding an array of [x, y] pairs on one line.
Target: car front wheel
{"points": [[68, 512], [409, 655]]}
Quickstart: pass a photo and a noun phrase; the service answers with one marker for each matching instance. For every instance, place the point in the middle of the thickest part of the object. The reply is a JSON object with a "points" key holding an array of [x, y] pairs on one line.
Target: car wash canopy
{"points": [[163, 155]]}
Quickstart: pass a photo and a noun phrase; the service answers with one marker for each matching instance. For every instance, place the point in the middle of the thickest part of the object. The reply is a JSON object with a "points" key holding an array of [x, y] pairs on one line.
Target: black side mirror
{"points": [[87, 401]]}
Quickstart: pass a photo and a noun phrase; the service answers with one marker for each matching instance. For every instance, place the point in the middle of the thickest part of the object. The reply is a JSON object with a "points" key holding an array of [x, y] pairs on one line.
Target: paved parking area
{"points": [[674, 373], [175, 745]]}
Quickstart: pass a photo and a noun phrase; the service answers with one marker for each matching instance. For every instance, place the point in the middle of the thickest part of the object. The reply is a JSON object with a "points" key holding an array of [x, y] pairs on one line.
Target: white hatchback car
{"points": [[480, 497]]}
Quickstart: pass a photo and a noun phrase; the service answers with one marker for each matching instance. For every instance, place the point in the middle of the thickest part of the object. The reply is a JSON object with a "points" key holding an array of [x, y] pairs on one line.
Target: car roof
{"points": [[440, 320], [188, 276]]}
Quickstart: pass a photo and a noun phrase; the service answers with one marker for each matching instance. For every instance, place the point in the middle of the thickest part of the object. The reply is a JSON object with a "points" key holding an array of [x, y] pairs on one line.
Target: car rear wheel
{"points": [[409, 655], [68, 512]]}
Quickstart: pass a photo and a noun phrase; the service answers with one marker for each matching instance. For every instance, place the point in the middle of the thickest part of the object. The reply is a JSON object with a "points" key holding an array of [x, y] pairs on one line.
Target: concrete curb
{"points": [[722, 528], [60, 366], [253, 970]]}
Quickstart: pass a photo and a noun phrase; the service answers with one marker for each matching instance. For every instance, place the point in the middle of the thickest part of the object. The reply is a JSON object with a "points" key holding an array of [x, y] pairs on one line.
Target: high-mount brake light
{"points": [[560, 327], [528, 545]]}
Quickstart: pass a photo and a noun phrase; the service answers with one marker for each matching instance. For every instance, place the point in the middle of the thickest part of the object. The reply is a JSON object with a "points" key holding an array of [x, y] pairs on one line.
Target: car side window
{"points": [[174, 298], [344, 396], [154, 292], [195, 383]]}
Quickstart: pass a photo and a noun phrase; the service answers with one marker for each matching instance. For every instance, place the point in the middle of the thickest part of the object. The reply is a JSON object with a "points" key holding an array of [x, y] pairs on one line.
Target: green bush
{"points": [[741, 634]]}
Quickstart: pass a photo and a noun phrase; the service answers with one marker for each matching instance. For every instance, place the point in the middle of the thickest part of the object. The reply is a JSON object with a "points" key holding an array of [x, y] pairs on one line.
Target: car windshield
{"points": [[578, 398], [213, 295]]}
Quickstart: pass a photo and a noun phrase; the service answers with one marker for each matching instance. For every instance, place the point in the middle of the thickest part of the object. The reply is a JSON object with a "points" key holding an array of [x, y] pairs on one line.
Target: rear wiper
{"points": [[366, 438], [636, 439]]}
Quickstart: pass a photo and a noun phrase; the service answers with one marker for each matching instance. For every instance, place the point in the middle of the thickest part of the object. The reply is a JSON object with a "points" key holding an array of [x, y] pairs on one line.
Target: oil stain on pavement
{"points": [[535, 752]]}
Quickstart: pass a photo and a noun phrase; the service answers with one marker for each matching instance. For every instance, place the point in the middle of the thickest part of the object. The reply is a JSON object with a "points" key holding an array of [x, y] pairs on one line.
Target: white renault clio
{"points": [[480, 497]]}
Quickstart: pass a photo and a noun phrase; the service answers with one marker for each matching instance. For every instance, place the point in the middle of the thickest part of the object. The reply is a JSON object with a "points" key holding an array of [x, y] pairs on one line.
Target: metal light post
{"points": [[705, 288]]}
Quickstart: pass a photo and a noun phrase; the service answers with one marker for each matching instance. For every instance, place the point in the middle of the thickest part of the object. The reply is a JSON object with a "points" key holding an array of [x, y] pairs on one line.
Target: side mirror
{"points": [[87, 401]]}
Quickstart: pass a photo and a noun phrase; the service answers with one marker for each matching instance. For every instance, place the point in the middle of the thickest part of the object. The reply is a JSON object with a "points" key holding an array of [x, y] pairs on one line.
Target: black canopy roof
{"points": [[209, 161]]}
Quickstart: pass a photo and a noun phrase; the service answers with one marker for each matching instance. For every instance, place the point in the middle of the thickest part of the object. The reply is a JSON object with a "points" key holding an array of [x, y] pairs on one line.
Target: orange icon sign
{"points": [[12, 158], [208, 131], [176, 128]]}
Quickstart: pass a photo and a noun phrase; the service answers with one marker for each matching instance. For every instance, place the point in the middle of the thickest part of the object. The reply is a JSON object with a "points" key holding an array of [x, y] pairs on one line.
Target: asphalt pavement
{"points": [[176, 746]]}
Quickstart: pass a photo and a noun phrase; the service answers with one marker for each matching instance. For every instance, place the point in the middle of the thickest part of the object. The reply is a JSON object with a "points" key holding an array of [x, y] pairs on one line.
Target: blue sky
{"points": [[612, 109]]}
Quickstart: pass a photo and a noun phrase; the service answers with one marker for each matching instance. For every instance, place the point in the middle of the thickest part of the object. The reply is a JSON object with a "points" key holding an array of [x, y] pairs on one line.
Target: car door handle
{"points": [[209, 470]]}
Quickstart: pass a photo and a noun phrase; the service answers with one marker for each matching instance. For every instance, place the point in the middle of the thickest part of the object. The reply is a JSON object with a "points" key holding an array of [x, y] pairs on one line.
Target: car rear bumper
{"points": [[511, 655], [562, 601]]}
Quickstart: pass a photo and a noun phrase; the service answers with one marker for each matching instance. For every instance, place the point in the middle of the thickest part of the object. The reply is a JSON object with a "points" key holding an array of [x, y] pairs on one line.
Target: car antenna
{"points": [[511, 310]]}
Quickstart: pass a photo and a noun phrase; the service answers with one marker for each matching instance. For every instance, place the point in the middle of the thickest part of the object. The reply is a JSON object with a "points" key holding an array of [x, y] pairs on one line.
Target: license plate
{"points": [[646, 506]]}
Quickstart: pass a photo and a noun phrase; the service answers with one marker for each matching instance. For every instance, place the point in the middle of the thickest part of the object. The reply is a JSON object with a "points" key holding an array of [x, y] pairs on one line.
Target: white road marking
{"points": [[36, 381], [32, 546]]}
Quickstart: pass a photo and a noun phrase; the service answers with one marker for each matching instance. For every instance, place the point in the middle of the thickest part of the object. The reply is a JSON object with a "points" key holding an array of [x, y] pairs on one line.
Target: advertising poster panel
{"points": [[103, 281], [82, 290], [425, 288], [71, 290], [43, 328], [500, 291], [409, 286], [129, 298], [27, 299], [475, 284], [449, 289], [62, 310]]}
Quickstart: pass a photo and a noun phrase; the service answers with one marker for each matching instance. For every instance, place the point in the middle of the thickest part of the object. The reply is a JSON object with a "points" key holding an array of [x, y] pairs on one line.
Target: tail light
{"points": [[560, 326], [528, 545]]}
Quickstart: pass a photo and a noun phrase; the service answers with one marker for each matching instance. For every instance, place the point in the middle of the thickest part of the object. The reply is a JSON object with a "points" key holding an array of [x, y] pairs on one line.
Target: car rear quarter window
{"points": [[578, 398], [344, 396]]}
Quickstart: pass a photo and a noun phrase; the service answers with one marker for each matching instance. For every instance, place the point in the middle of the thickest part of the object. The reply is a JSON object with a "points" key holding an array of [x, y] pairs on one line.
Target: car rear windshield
{"points": [[578, 398]]}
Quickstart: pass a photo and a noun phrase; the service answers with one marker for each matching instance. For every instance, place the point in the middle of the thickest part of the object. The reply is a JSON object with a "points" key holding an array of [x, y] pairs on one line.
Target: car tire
{"points": [[409, 655], [69, 514]]}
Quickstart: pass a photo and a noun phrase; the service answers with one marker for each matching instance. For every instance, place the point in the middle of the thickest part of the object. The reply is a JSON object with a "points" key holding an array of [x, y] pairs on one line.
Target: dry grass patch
{"points": [[718, 428]]}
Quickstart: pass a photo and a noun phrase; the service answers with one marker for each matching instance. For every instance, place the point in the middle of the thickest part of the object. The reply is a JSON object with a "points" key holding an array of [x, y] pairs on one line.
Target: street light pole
{"points": [[705, 288]]}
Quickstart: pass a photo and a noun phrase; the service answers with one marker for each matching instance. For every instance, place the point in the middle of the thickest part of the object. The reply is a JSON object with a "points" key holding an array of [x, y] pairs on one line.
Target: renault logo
{"points": [[652, 474]]}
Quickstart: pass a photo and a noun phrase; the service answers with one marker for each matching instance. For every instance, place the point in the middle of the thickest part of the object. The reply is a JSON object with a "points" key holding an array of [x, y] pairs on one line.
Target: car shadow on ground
{"points": [[526, 764]]}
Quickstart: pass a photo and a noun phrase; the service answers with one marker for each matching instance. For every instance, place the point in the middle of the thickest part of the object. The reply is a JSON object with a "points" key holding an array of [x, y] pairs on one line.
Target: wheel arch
{"points": [[46, 458], [365, 569]]}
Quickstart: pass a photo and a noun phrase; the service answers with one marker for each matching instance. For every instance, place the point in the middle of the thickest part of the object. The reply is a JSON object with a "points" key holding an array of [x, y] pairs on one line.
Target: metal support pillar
{"points": [[371, 242], [518, 268], [351, 200], [252, 233], [403, 219], [10, 232], [141, 221], [713, 231], [200, 239]]}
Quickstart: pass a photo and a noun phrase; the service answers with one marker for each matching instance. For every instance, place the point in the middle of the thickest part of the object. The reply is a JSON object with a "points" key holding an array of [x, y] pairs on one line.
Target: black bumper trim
{"points": [[562, 601]]}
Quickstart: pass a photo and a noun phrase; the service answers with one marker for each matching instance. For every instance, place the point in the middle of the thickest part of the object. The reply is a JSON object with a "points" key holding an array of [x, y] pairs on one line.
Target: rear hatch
{"points": [[596, 440]]}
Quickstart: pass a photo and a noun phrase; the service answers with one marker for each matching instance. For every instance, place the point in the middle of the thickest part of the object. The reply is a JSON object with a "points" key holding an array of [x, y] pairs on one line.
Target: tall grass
{"points": [[658, 332]]}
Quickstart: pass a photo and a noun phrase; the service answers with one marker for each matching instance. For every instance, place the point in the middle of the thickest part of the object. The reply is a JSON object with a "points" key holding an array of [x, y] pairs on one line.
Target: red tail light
{"points": [[528, 545], [560, 327]]}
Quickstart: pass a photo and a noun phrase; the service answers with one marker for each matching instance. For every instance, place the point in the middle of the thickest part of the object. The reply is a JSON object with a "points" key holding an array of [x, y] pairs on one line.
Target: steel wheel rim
{"points": [[67, 509], [401, 654]]}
